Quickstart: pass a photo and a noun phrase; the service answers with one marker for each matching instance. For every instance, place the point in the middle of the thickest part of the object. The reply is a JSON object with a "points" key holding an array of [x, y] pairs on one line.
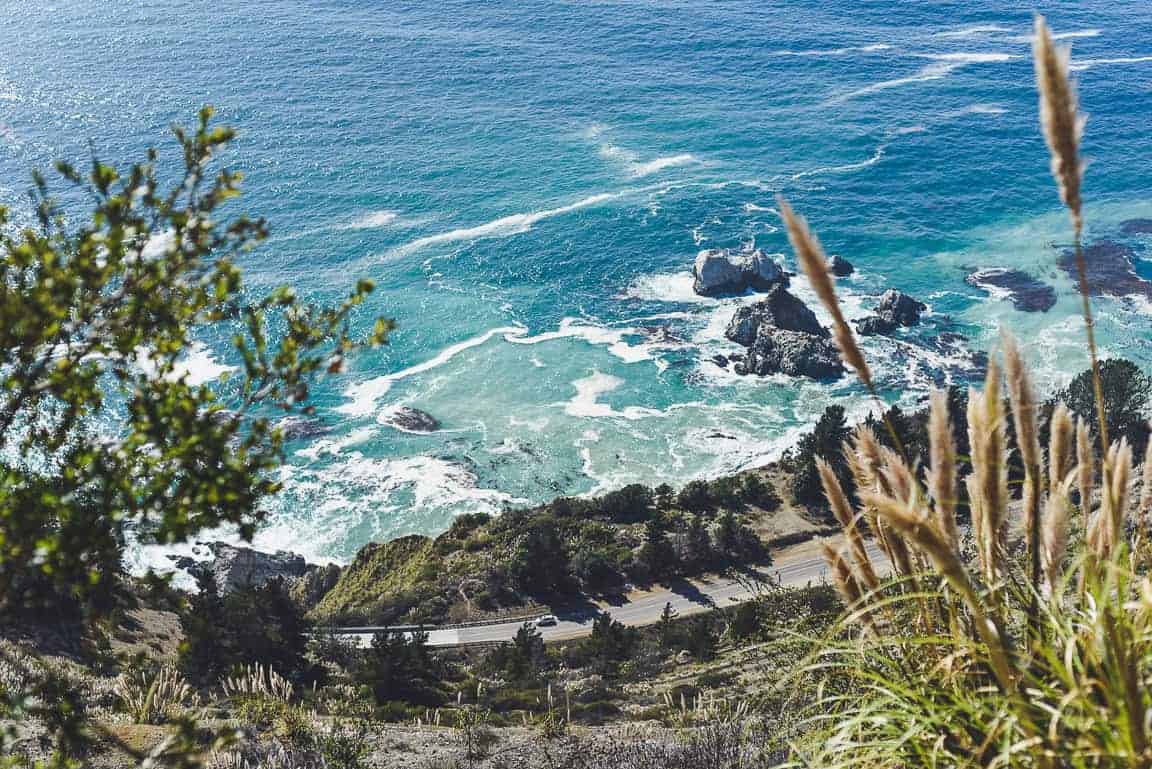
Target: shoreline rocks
{"points": [[719, 272], [1026, 293], [783, 336]]}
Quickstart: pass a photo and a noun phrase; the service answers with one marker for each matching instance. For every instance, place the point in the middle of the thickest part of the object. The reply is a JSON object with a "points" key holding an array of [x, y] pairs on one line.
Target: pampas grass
{"points": [[1037, 660]]}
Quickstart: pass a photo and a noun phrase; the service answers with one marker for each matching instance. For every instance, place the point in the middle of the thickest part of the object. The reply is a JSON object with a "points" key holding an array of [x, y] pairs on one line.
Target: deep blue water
{"points": [[528, 183]]}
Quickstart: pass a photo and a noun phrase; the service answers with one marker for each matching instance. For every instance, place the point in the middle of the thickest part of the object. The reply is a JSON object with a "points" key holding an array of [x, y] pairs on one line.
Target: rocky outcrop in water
{"points": [[1026, 292], [411, 420], [1111, 269], [783, 336], [234, 568], [718, 272], [895, 309], [297, 427], [841, 267]]}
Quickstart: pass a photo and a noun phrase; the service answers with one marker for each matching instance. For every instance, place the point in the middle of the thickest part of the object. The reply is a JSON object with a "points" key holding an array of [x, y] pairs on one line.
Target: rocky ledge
{"points": [[895, 309], [719, 272], [234, 568], [783, 336], [1111, 270]]}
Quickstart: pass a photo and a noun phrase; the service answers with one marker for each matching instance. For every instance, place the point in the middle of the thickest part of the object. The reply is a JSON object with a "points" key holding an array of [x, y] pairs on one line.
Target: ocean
{"points": [[528, 183]]}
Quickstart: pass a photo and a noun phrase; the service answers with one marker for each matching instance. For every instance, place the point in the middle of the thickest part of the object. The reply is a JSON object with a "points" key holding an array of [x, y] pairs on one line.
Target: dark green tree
{"points": [[539, 563], [99, 302], [1127, 391], [698, 544], [695, 497], [254, 625], [824, 441], [399, 668], [657, 556]]}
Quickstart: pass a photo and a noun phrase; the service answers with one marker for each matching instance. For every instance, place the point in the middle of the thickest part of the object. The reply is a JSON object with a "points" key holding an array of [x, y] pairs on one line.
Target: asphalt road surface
{"points": [[643, 608]]}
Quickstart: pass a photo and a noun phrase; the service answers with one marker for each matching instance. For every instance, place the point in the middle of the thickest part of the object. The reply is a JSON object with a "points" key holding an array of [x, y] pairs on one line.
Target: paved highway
{"points": [[641, 608]]}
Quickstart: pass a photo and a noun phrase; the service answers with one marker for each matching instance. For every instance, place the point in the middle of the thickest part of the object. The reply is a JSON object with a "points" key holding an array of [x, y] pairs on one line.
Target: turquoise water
{"points": [[528, 182]]}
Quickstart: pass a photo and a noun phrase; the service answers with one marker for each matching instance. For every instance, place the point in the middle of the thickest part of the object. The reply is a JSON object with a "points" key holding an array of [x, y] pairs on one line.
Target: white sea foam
{"points": [[505, 225], [197, 365], [1071, 35], [636, 167], [667, 287], [1085, 64], [972, 31], [586, 402], [373, 220], [985, 109], [877, 156], [363, 396], [872, 48], [574, 328]]}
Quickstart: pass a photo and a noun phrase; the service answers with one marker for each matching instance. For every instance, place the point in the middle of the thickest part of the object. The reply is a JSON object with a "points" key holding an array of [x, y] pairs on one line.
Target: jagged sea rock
{"points": [[794, 353], [895, 309], [720, 360], [297, 427], [841, 267], [782, 336], [1111, 270], [411, 420], [781, 310], [234, 568], [1026, 292], [899, 308], [718, 271]]}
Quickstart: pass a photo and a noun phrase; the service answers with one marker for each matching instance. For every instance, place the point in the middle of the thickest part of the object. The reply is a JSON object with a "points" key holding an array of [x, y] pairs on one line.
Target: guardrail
{"points": [[357, 630]]}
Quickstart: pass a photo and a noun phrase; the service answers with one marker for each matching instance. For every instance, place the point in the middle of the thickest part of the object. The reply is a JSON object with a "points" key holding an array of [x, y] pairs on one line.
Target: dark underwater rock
{"points": [[1111, 269], [1026, 292]]}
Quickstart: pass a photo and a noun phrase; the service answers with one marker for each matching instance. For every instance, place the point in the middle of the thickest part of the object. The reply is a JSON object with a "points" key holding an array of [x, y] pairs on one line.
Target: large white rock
{"points": [[719, 271]]}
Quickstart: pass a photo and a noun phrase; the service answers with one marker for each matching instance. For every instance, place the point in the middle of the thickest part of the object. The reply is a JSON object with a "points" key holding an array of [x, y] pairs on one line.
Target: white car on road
{"points": [[548, 620]]}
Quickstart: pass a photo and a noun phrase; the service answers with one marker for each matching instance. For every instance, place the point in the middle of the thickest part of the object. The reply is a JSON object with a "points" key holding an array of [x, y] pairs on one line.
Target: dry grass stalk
{"points": [[1063, 126], [1059, 117], [942, 477], [812, 260], [1145, 490], [1055, 536], [1085, 467], [842, 509], [1059, 449], [1022, 397], [989, 462], [842, 575]]}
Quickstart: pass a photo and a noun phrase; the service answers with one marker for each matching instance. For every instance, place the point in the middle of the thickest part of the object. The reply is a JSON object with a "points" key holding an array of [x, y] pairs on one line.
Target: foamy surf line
{"points": [[504, 226], [943, 65]]}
